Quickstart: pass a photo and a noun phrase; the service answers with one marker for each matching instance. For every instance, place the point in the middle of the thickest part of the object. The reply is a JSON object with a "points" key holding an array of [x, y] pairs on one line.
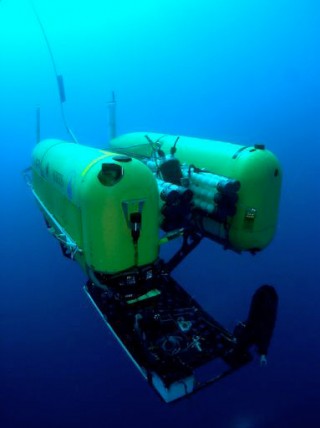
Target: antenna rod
{"points": [[38, 124], [112, 117]]}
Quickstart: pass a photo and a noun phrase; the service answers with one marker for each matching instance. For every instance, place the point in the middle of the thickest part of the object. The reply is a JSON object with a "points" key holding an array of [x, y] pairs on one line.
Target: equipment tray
{"points": [[177, 346]]}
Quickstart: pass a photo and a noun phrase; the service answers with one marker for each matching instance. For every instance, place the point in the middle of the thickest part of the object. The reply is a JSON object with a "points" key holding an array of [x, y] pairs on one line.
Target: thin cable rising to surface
{"points": [[59, 77]]}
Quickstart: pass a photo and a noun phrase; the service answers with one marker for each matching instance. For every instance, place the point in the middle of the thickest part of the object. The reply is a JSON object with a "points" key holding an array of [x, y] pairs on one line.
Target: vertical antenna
{"points": [[112, 117], [38, 125]]}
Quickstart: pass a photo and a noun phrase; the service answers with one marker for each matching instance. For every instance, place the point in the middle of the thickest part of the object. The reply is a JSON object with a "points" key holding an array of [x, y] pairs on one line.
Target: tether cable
{"points": [[59, 77]]}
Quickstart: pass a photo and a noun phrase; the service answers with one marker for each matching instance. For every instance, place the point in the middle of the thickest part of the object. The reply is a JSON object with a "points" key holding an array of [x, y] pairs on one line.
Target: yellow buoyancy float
{"points": [[105, 203]]}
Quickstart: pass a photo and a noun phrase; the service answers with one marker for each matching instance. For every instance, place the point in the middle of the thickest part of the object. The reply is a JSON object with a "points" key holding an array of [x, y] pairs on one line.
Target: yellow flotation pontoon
{"points": [[237, 186], [100, 200]]}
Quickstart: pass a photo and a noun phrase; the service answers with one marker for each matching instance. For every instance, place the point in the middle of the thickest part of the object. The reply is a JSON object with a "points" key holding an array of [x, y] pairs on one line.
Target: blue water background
{"points": [[240, 71]]}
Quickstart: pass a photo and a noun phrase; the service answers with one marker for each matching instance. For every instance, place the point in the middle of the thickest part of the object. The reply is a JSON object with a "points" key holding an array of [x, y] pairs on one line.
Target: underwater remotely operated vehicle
{"points": [[111, 210]]}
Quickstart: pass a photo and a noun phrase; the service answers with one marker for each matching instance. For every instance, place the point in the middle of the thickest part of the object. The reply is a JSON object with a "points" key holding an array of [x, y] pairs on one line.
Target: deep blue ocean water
{"points": [[240, 71]]}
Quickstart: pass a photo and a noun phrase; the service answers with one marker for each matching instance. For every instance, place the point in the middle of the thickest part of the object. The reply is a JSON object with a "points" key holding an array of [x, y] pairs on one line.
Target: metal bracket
{"points": [[190, 242]]}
